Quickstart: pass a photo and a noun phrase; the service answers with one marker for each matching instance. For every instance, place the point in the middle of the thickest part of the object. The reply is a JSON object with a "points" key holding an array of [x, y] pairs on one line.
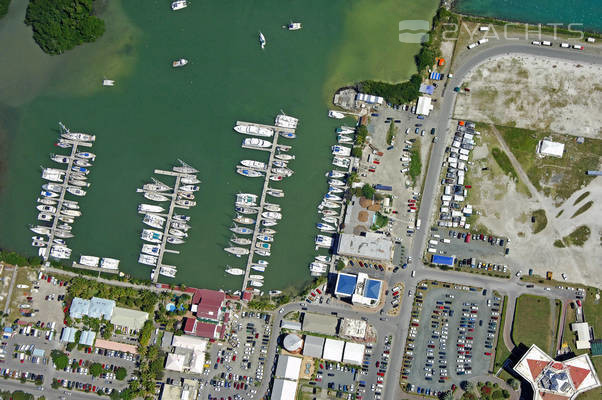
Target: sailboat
{"points": [[262, 40], [240, 241], [234, 271], [241, 230]]}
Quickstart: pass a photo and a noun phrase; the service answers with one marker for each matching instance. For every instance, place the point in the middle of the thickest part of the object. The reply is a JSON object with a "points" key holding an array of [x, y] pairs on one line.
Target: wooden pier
{"points": [[272, 150], [59, 205]]}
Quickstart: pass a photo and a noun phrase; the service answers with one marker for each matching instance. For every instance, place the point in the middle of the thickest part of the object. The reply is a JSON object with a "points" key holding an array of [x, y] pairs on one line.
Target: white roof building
{"points": [[424, 106], [370, 245], [548, 148], [583, 334], [333, 350], [368, 98], [354, 353], [288, 367], [284, 389], [196, 347], [175, 362]]}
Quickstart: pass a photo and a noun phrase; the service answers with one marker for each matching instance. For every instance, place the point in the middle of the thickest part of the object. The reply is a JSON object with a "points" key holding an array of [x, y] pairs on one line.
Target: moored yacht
{"points": [[156, 221], [286, 121], [185, 168], [82, 163], [324, 259], [151, 249], [323, 241], [237, 251], [154, 196], [267, 231], [251, 173], [179, 217], [45, 208], [335, 174], [45, 217], [272, 207], [180, 225], [258, 268], [243, 220], [46, 193], [235, 271], [342, 162], [265, 238], [246, 210], [178, 5], [325, 227], [344, 139], [241, 230], [254, 164], [151, 235], [275, 192], [336, 182], [255, 142], [190, 180], [285, 157], [169, 272], [186, 203], [85, 154], [271, 215], [147, 259], [53, 187], [336, 114], [332, 197], [263, 252], [240, 241], [47, 201], [179, 63], [175, 240], [76, 191], [254, 130], [90, 261], [189, 188], [40, 230], [341, 150], [60, 158], [288, 135], [246, 199]]}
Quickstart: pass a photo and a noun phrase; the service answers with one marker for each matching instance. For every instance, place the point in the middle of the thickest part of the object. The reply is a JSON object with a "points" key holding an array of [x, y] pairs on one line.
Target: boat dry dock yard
{"points": [[54, 207], [164, 228], [265, 215]]}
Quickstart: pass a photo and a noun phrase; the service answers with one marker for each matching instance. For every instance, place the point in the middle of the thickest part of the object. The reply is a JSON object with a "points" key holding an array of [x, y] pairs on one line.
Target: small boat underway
{"points": [[336, 114], [108, 82], [262, 40], [254, 130], [178, 5], [294, 26], [179, 63]]}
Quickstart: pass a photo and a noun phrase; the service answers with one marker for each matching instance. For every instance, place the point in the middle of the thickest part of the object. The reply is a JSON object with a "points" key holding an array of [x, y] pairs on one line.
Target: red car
{"points": [[234, 357], [469, 337], [371, 170], [80, 362], [380, 374], [377, 364], [319, 291], [487, 353]]}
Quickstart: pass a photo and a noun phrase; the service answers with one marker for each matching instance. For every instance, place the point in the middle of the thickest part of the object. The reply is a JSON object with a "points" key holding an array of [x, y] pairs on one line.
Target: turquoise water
{"points": [[155, 115], [585, 12]]}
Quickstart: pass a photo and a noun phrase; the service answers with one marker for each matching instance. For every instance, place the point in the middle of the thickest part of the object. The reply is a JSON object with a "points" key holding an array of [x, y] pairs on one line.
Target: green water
{"points": [[155, 115], [585, 12]]}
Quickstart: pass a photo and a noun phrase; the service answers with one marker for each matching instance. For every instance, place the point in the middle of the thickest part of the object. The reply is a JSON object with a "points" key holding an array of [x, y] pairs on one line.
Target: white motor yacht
{"points": [[254, 130], [147, 259], [90, 261], [336, 114], [179, 63], [178, 5], [151, 249], [257, 143]]}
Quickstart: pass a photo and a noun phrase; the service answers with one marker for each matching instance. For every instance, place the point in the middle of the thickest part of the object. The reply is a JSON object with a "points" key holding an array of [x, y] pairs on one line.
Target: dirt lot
{"points": [[506, 210], [535, 93]]}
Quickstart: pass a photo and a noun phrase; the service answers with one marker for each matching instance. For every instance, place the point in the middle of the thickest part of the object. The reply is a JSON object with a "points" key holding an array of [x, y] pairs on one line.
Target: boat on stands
{"points": [[74, 190], [286, 121], [275, 192], [246, 210], [246, 199], [186, 203], [243, 220], [178, 5], [254, 164], [151, 235], [237, 251], [151, 249], [257, 143], [235, 271], [336, 114], [240, 241], [285, 157], [179, 63], [271, 215], [185, 168], [251, 173], [153, 220], [288, 135], [147, 259], [254, 130], [85, 155], [175, 240], [241, 230]]}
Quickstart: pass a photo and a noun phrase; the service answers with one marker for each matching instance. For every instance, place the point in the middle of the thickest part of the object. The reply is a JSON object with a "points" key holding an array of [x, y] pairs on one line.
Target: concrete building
{"points": [[175, 362], [293, 325], [368, 245], [548, 148], [187, 390], [116, 346], [288, 367], [292, 343], [584, 337], [354, 353], [284, 389], [556, 380], [127, 320], [333, 350], [355, 328], [424, 106], [313, 346], [359, 289], [319, 323], [192, 349]]}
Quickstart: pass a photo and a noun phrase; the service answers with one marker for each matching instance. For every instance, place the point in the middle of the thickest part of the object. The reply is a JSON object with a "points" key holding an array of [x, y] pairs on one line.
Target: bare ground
{"points": [[535, 93]]}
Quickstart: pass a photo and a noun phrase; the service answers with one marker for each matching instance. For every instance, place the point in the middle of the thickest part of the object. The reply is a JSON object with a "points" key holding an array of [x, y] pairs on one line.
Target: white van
{"points": [[483, 41], [536, 43]]}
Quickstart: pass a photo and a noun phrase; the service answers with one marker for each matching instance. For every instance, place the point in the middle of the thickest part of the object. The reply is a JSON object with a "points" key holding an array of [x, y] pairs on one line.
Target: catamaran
{"points": [[90, 261], [254, 130], [108, 82], [246, 199], [156, 221], [169, 272], [151, 235], [60, 252], [342, 162], [151, 249], [341, 150], [53, 176], [147, 259], [323, 241]]}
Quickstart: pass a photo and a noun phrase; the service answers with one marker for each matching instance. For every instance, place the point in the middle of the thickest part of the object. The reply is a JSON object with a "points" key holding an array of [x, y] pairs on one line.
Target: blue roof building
{"points": [[360, 289], [345, 284], [427, 89], [372, 290]]}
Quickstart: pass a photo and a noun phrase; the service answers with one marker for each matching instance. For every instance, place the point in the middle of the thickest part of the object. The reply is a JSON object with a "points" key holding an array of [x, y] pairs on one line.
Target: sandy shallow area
{"points": [[535, 93]]}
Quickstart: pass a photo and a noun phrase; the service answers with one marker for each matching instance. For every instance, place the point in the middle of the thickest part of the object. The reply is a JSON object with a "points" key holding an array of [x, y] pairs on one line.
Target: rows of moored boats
{"points": [[253, 229], [56, 213], [163, 225], [330, 207]]}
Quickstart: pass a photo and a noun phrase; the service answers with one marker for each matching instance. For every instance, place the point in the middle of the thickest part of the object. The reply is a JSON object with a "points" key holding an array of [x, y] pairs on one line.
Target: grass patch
{"points": [[583, 208], [501, 351], [532, 322], [391, 133], [379, 221], [578, 237], [581, 197], [541, 221], [560, 213], [558, 243], [415, 163], [560, 176], [504, 163]]}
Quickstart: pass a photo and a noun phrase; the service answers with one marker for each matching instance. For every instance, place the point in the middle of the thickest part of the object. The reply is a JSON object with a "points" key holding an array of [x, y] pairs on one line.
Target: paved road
{"points": [[507, 328]]}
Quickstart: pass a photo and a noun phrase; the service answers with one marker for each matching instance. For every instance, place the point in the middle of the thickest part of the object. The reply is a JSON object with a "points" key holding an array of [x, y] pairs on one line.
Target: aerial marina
{"points": [[167, 228], [253, 209]]}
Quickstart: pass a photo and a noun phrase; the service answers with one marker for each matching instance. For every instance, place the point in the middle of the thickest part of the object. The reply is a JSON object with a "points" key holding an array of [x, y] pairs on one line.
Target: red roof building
{"points": [[201, 329], [207, 304]]}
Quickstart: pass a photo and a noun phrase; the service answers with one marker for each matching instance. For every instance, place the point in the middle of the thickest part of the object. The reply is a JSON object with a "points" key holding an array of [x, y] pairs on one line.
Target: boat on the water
{"points": [[186, 203], [256, 283], [329, 212], [256, 277], [185, 196], [330, 219], [280, 163], [294, 26], [336, 182], [237, 251], [45, 217], [275, 292], [45, 208], [240, 241], [330, 204], [85, 154], [276, 178], [257, 143], [40, 230], [262, 262], [60, 158], [241, 230], [272, 207], [80, 137], [344, 139], [265, 238], [151, 235], [156, 221], [262, 40], [324, 259], [53, 187], [47, 201], [269, 222], [53, 176], [189, 188], [341, 150], [271, 215], [288, 135], [167, 271], [285, 157], [175, 240], [147, 259], [153, 187], [179, 217], [345, 130], [283, 171], [325, 227], [82, 163], [185, 168], [334, 189], [267, 231], [62, 234], [342, 162], [71, 213], [335, 174], [254, 164], [74, 190], [47, 193], [243, 220], [77, 182], [235, 271], [190, 180], [246, 210], [336, 114], [275, 192], [80, 170], [179, 63], [258, 268], [323, 241], [177, 233], [332, 197], [178, 5], [263, 252], [108, 82], [286, 121], [251, 173], [180, 225], [60, 252], [151, 249], [154, 196], [246, 199], [254, 130]]}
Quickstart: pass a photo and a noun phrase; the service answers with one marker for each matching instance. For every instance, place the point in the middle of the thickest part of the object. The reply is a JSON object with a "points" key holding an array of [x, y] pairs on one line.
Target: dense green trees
{"points": [[60, 25], [121, 373], [4, 7], [128, 297], [60, 359], [397, 93]]}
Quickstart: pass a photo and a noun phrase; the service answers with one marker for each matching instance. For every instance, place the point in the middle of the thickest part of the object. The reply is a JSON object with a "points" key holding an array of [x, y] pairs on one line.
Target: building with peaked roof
{"points": [[354, 353], [556, 380], [288, 367], [333, 350], [207, 304], [109, 345], [128, 320], [198, 328], [68, 335], [175, 362], [313, 345], [424, 106], [87, 338], [284, 389], [96, 307], [294, 325], [79, 307]]}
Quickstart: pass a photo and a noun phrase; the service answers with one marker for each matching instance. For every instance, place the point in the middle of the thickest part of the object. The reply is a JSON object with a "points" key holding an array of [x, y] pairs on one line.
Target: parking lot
{"points": [[480, 245], [450, 325], [234, 368]]}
